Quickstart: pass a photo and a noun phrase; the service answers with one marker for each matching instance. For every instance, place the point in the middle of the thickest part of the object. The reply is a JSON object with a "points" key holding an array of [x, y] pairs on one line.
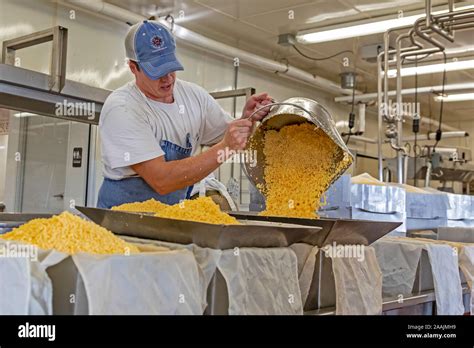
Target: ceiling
{"points": [[254, 25]]}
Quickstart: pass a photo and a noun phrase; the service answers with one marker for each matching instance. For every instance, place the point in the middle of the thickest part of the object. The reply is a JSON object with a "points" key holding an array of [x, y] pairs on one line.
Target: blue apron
{"points": [[135, 189]]}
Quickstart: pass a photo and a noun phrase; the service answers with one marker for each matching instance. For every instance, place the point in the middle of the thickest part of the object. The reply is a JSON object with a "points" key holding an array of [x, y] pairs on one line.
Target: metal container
{"points": [[291, 111], [340, 231], [254, 234], [9, 221]]}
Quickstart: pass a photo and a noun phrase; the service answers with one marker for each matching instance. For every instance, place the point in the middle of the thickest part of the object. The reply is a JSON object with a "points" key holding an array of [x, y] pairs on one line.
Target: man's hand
{"points": [[254, 102], [237, 133]]}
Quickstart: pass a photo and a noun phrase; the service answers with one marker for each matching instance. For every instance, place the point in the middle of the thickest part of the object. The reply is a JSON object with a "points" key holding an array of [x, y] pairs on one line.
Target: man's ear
{"points": [[133, 67]]}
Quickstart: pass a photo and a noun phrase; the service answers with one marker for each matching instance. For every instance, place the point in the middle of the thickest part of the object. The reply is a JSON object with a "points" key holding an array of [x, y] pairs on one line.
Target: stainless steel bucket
{"points": [[291, 111]]}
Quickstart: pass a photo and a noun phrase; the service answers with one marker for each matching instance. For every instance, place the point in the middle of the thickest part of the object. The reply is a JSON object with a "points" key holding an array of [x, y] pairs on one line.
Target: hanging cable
{"points": [[439, 132], [322, 58], [351, 115], [416, 122]]}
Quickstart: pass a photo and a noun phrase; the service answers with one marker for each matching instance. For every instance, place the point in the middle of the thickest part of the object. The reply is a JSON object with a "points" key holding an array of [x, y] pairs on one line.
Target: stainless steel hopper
{"points": [[262, 234]]}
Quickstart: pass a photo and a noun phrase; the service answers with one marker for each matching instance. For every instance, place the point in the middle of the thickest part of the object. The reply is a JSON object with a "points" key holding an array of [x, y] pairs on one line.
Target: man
{"points": [[150, 128]]}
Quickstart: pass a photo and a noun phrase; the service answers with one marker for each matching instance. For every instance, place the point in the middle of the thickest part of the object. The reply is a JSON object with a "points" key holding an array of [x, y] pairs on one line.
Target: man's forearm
{"points": [[188, 171], [166, 177]]}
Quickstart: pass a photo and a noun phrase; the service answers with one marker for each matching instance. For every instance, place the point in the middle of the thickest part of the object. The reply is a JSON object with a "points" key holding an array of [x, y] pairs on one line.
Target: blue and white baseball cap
{"points": [[153, 47]]}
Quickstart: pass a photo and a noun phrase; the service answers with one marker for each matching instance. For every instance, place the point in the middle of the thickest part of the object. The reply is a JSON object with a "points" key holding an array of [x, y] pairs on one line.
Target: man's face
{"points": [[159, 89]]}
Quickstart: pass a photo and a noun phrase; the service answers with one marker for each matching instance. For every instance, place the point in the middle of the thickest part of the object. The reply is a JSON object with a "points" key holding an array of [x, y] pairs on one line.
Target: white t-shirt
{"points": [[132, 126]]}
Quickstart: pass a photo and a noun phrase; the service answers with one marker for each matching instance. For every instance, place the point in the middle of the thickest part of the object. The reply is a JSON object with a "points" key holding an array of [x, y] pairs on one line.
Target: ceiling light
{"points": [[24, 114], [433, 68], [455, 97], [363, 28]]}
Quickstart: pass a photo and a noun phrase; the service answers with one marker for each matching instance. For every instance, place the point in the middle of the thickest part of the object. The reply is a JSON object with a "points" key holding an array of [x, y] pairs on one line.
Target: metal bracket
{"points": [[232, 93], [58, 35]]}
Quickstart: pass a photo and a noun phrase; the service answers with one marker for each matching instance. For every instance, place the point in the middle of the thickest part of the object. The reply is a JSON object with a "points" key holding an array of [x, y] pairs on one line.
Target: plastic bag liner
{"points": [[206, 259], [466, 263], [378, 199], [259, 280], [146, 283], [398, 263], [461, 207], [445, 268], [306, 256], [358, 284], [152, 282], [338, 194], [14, 285], [426, 205], [25, 288], [445, 271]]}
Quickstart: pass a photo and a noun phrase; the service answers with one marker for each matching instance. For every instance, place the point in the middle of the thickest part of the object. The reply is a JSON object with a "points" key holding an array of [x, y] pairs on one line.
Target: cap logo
{"points": [[156, 41]]}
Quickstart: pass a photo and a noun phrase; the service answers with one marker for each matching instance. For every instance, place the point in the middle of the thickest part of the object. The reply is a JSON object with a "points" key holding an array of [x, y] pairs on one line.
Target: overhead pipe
{"points": [[361, 115], [202, 42], [363, 139], [379, 97], [396, 143], [367, 97], [420, 137], [432, 136]]}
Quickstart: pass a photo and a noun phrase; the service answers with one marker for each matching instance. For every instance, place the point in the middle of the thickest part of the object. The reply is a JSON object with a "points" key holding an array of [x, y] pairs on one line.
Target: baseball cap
{"points": [[153, 47]]}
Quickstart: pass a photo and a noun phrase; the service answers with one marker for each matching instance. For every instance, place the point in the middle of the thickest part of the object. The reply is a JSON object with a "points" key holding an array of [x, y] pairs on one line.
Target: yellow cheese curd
{"points": [[70, 234], [149, 206], [301, 161], [201, 209]]}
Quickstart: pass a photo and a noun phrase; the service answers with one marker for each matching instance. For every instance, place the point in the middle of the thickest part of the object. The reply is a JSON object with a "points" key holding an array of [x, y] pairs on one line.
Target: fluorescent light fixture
{"points": [[24, 114], [433, 68], [455, 97], [367, 27]]}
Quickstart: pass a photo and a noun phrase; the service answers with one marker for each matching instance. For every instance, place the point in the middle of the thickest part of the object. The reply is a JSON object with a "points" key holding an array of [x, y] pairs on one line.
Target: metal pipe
{"points": [[437, 55], [429, 167], [405, 169], [379, 116], [425, 36], [432, 136], [367, 97], [441, 32], [361, 115], [418, 52], [460, 14], [386, 55], [386, 38], [463, 26], [399, 112], [363, 139], [428, 12]]}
